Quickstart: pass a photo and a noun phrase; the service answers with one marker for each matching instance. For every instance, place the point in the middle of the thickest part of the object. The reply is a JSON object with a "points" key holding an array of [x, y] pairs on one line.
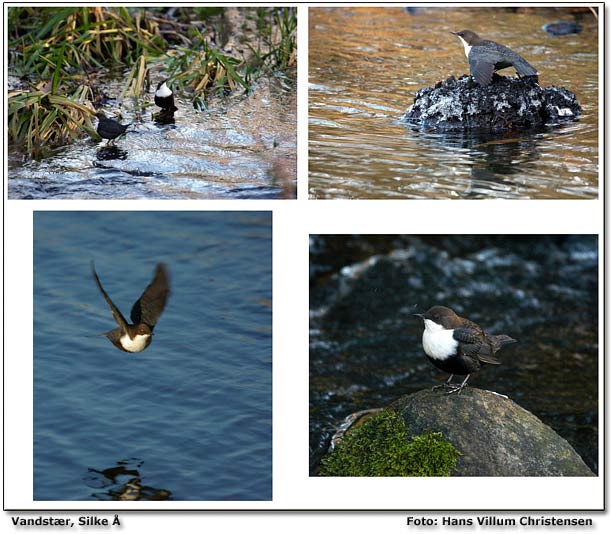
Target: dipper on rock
{"points": [[145, 312], [164, 97], [108, 128], [457, 345], [485, 57]]}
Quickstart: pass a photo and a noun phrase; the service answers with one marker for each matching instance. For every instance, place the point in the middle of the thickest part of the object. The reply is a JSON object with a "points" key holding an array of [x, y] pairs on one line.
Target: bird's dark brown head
{"points": [[469, 37], [100, 115], [441, 315]]}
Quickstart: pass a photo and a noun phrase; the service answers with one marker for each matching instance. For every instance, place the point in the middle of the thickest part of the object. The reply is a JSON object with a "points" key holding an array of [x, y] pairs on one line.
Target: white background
{"points": [[293, 488]]}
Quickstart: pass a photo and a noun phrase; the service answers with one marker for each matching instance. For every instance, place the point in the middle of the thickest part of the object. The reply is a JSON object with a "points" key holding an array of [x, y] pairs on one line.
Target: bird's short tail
{"points": [[502, 339]]}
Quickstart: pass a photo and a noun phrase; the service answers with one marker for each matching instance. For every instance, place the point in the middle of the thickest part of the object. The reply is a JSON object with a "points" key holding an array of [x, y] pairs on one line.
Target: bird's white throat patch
{"points": [[139, 343], [438, 343], [163, 91], [466, 46]]}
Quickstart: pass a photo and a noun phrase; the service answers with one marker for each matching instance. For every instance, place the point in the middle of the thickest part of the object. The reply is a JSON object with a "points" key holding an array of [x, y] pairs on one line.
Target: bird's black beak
{"points": [[455, 33], [418, 315]]}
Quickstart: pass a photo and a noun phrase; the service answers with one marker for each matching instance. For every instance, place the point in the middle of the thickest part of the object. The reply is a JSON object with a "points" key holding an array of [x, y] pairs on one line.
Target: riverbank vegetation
{"points": [[59, 59]]}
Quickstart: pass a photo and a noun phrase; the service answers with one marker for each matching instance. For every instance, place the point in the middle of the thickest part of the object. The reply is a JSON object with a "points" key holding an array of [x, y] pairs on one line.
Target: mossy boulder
{"points": [[379, 447], [495, 436]]}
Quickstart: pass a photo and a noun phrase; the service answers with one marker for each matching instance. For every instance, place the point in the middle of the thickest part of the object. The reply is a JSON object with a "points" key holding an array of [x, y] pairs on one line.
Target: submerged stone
{"points": [[504, 105], [562, 27]]}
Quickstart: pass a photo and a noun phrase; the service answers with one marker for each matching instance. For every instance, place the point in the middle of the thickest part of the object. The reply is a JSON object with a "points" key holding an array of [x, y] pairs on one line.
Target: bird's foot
{"points": [[446, 385], [457, 388]]}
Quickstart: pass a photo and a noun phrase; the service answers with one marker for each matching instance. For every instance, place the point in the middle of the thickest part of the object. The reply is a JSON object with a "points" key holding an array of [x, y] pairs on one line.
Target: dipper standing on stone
{"points": [[145, 313], [458, 346], [486, 57], [109, 128], [164, 97]]}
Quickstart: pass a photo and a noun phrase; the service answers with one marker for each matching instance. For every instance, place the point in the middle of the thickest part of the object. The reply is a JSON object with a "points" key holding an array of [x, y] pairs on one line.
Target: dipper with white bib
{"points": [[458, 346], [145, 313], [485, 57], [164, 98]]}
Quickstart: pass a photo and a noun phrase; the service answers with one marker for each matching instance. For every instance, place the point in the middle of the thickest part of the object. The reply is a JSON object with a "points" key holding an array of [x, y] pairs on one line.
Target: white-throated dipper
{"points": [[164, 97], [108, 128], [485, 57], [145, 312], [457, 345]]}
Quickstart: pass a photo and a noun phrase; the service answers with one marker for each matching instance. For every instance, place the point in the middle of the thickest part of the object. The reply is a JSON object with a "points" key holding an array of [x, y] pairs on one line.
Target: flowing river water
{"points": [[242, 147], [365, 66]]}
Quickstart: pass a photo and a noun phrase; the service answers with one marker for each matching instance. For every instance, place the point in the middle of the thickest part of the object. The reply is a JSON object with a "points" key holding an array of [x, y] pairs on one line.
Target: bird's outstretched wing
{"points": [[482, 71], [119, 318], [151, 303]]}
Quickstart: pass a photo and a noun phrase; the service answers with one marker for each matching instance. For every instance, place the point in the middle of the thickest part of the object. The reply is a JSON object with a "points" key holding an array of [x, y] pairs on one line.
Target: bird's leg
{"points": [[458, 388], [446, 384]]}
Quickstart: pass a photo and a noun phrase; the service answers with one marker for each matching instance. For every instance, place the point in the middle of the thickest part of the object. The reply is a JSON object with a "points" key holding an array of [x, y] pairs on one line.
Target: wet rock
{"points": [[495, 436], [504, 105], [563, 27], [14, 83]]}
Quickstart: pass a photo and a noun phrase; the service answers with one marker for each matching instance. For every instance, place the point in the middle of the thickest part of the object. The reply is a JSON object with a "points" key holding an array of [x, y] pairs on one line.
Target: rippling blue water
{"points": [[190, 418]]}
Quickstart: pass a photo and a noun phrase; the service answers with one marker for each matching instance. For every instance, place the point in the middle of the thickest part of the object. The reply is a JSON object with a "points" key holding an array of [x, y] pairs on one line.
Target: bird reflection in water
{"points": [[111, 152], [123, 482], [163, 117]]}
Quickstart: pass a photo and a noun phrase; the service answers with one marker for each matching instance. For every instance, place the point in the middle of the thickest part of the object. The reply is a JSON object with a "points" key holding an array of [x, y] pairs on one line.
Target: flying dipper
{"points": [[145, 313], [108, 128], [164, 97], [485, 57], [458, 346]]}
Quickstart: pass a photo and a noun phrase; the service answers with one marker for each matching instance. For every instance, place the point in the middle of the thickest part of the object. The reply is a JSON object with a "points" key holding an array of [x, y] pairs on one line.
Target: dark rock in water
{"points": [[109, 153], [504, 105], [563, 27], [164, 117], [495, 436]]}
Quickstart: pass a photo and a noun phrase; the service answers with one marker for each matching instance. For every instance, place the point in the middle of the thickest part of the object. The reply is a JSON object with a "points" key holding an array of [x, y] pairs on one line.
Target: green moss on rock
{"points": [[379, 448]]}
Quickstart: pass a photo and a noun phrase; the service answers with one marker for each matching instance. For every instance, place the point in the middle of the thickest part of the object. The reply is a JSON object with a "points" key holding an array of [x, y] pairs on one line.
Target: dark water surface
{"points": [[189, 418], [365, 66], [242, 147], [365, 344]]}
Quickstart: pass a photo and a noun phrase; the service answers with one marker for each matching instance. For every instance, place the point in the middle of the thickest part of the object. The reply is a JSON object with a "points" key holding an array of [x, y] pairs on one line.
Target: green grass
{"points": [[279, 34], [39, 119], [77, 40]]}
